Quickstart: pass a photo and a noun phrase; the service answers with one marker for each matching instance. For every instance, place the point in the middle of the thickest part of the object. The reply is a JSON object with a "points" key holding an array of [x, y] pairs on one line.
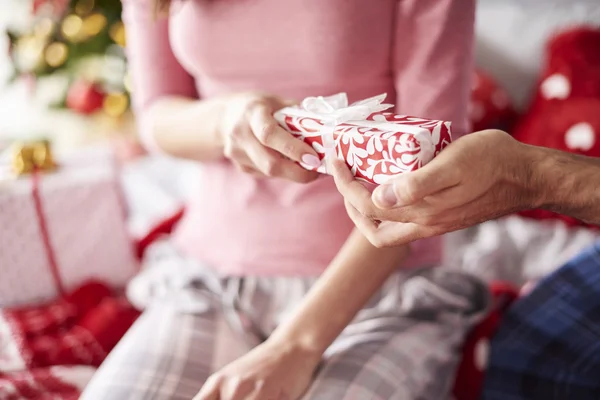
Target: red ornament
{"points": [[572, 69], [58, 6], [85, 97]]}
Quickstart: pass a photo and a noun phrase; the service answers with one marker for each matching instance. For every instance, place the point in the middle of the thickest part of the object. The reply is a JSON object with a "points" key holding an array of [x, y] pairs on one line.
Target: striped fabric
{"points": [[404, 345]]}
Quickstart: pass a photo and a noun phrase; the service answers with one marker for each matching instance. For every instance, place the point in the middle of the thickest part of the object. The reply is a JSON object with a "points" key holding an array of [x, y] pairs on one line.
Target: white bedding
{"points": [[515, 249]]}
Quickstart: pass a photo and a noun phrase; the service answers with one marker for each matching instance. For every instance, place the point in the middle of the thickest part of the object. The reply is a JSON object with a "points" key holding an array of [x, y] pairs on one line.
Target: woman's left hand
{"points": [[274, 370]]}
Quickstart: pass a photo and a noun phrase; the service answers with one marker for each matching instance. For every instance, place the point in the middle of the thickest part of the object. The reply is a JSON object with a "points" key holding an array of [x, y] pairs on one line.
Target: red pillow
{"points": [[572, 67], [565, 113], [490, 105]]}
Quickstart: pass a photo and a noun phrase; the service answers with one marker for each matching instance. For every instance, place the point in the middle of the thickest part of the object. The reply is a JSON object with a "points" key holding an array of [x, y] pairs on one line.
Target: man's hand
{"points": [[479, 177]]}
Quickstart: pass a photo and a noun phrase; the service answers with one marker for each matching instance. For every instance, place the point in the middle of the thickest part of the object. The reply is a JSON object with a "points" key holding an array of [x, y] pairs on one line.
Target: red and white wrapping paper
{"points": [[62, 228], [375, 144]]}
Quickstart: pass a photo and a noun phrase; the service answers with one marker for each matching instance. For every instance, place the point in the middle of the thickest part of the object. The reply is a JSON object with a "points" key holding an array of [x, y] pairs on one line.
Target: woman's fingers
{"points": [[367, 226], [257, 145], [386, 233], [271, 163], [240, 160], [237, 389], [270, 134], [353, 191], [210, 390]]}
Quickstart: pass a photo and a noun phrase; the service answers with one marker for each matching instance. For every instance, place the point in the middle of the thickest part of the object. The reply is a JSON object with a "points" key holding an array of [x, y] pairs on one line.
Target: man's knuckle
{"points": [[408, 191], [364, 206], [436, 231], [427, 220], [369, 210]]}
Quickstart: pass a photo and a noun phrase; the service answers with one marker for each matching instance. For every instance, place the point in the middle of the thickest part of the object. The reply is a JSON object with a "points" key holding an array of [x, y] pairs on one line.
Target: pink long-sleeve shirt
{"points": [[417, 51]]}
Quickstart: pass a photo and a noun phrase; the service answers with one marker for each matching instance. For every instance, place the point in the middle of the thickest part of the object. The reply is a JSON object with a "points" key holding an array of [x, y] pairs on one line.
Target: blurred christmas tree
{"points": [[80, 41]]}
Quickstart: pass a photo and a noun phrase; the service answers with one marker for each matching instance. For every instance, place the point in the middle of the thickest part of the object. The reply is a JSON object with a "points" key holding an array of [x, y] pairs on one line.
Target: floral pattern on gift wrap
{"points": [[374, 154]]}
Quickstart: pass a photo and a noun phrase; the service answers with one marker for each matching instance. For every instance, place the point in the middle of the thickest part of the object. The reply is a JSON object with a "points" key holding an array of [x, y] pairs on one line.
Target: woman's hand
{"points": [[275, 370], [256, 144]]}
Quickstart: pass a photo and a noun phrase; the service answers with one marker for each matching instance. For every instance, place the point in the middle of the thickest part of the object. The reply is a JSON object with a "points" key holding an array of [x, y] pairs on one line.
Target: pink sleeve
{"points": [[434, 59], [154, 69]]}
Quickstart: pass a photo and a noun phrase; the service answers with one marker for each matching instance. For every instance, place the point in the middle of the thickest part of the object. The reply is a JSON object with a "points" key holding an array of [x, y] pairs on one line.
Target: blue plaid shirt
{"points": [[548, 345]]}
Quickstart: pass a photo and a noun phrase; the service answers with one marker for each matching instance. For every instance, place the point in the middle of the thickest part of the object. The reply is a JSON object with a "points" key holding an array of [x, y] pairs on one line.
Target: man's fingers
{"points": [[272, 135], [411, 187], [352, 190]]}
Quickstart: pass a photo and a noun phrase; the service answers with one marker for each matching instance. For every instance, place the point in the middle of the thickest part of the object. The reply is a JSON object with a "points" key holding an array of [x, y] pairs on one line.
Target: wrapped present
{"points": [[374, 143], [62, 224]]}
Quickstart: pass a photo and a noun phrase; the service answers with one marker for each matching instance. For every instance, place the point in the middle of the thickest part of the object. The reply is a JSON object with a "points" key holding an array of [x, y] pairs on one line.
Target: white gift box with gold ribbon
{"points": [[61, 223]]}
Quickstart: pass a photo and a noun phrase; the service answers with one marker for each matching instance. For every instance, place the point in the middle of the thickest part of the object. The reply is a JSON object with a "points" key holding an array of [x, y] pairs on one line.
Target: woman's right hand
{"points": [[257, 144]]}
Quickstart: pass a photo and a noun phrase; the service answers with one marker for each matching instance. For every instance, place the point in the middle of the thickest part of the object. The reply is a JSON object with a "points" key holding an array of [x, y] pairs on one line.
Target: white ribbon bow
{"points": [[335, 109]]}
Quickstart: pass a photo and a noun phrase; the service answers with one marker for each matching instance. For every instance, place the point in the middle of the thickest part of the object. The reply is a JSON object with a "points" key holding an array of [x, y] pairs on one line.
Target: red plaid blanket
{"points": [[52, 350]]}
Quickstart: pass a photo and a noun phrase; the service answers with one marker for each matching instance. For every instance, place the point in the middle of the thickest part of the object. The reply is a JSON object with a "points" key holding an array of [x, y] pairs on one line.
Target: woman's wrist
{"points": [[298, 346], [304, 339]]}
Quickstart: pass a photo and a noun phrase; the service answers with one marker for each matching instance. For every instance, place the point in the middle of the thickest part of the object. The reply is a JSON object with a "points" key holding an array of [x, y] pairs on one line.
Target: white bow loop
{"points": [[335, 109]]}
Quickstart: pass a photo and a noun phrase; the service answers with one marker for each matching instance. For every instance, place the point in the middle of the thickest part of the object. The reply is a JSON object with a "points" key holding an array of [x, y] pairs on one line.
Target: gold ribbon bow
{"points": [[32, 156]]}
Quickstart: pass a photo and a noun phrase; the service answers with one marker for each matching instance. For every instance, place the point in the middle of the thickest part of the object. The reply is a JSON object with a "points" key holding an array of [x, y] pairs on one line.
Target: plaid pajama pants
{"points": [[404, 345], [548, 345]]}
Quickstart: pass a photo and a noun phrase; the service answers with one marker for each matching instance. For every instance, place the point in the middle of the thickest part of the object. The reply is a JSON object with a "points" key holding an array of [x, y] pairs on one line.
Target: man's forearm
{"points": [[569, 184]]}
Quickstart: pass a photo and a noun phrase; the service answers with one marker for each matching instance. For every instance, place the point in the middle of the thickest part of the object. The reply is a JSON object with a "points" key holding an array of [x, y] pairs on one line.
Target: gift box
{"points": [[375, 144], [61, 224]]}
